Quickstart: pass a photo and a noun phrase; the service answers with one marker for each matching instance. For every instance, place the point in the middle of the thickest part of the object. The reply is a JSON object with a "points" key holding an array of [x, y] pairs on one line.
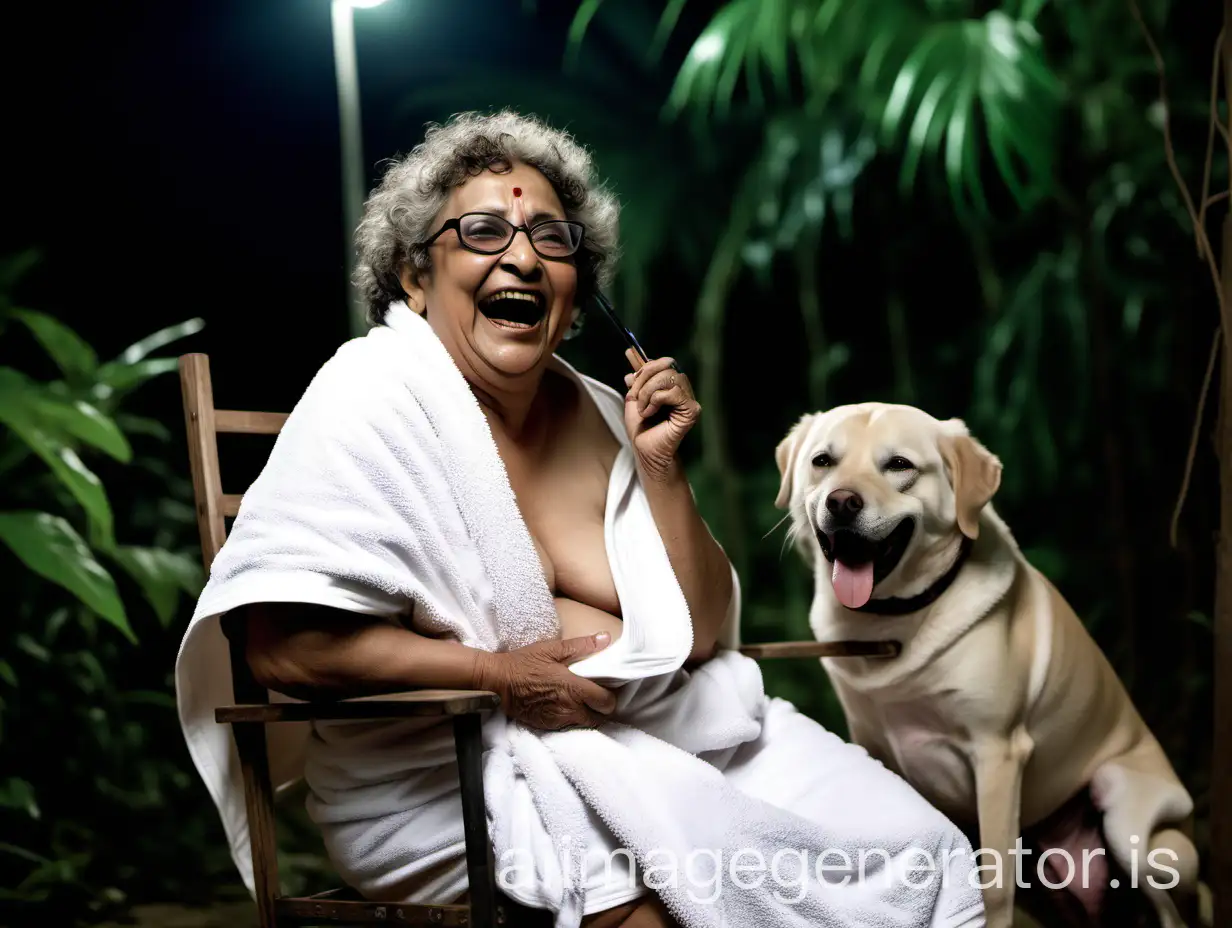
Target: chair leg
{"points": [[480, 865], [259, 793]]}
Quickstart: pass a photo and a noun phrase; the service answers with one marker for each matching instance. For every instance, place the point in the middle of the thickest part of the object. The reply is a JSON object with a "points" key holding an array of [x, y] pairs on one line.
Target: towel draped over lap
{"points": [[385, 496]]}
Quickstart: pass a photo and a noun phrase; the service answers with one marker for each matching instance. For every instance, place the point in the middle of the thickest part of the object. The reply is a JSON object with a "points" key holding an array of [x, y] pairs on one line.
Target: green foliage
{"points": [[1012, 117], [752, 155], [68, 684]]}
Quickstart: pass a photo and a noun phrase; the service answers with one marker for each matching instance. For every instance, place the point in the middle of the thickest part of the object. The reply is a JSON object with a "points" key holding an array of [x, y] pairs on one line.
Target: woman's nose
{"points": [[520, 256]]}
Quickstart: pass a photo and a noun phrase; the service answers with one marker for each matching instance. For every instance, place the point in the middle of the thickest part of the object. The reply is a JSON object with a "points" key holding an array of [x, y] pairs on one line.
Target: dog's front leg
{"points": [[998, 764]]}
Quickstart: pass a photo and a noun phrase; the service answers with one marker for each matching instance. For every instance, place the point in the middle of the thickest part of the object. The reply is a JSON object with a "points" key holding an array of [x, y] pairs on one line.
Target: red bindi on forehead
{"points": [[517, 191]]}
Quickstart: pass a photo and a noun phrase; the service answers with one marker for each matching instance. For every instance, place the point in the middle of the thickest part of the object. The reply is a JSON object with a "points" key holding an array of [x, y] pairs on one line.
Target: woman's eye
{"points": [[821, 459], [898, 462]]}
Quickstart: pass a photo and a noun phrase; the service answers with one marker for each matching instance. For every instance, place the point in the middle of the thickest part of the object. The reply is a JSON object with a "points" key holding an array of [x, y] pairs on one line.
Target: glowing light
{"points": [[708, 47]]}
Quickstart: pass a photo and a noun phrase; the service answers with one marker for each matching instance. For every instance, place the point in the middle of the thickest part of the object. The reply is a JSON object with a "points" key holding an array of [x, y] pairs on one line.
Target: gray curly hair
{"points": [[400, 212]]}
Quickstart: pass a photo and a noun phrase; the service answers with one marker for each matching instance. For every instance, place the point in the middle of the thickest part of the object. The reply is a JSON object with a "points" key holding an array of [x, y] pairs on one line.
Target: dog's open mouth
{"points": [[861, 563], [514, 309]]}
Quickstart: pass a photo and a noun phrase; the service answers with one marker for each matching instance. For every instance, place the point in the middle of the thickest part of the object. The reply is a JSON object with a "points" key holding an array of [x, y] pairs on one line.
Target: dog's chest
{"points": [[922, 745]]}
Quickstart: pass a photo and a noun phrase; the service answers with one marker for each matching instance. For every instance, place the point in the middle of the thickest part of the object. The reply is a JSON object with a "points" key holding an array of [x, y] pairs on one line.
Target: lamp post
{"points": [[352, 143]]}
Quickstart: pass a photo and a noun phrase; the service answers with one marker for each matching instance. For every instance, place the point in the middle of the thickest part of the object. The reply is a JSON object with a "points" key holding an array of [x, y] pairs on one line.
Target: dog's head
{"points": [[883, 493]]}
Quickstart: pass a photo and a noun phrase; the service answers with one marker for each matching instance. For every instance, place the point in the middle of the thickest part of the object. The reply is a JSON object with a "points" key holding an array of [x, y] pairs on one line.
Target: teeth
{"points": [[511, 295]]}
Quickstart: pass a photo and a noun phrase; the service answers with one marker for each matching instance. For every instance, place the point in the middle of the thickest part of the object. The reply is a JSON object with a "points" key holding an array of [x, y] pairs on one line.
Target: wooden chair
{"points": [[487, 907]]}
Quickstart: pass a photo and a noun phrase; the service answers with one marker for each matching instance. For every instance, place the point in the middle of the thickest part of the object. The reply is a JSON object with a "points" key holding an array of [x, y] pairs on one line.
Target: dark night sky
{"points": [[181, 159]]}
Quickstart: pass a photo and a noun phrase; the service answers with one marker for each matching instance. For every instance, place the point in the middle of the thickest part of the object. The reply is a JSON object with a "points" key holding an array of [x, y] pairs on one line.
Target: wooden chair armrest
{"points": [[823, 649], [389, 706]]}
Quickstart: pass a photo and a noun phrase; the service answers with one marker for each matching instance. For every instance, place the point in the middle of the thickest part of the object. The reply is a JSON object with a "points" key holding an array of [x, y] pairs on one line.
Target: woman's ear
{"points": [[410, 279], [975, 473]]}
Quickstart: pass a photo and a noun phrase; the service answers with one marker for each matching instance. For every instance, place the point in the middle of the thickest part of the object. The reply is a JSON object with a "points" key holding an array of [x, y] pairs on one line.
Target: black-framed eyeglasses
{"points": [[489, 234]]}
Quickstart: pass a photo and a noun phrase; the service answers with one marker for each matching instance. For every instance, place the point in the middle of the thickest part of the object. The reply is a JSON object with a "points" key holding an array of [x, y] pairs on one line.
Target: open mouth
{"points": [[514, 309], [861, 563]]}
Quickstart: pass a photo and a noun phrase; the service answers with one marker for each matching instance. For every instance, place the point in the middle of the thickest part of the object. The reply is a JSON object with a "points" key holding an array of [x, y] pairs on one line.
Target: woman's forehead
{"points": [[493, 191]]}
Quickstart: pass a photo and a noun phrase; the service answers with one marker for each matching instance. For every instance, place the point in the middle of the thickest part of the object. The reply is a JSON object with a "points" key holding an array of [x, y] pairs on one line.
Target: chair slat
{"points": [[823, 649], [198, 395], [314, 910], [230, 504], [246, 422], [396, 705]]}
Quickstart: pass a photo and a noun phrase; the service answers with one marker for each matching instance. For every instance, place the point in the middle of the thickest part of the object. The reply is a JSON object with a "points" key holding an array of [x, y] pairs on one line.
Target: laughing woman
{"points": [[452, 505]]}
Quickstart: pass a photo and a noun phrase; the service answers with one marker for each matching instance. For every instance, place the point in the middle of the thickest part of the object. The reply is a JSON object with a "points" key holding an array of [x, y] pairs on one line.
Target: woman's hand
{"points": [[537, 688], [658, 385]]}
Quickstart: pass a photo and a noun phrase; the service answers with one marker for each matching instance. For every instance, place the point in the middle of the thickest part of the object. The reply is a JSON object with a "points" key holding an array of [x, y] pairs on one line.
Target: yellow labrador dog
{"points": [[1001, 710]]}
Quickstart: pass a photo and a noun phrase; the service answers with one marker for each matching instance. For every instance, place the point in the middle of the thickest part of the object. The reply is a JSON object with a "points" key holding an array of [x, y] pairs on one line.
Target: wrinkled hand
{"points": [[657, 385], [537, 687]]}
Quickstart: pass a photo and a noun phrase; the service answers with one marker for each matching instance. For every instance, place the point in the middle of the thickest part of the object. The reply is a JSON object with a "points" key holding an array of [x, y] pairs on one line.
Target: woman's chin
{"points": [[510, 348]]}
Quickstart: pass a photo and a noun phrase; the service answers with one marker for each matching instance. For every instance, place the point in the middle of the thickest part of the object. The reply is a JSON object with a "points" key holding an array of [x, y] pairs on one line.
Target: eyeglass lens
{"points": [[489, 234]]}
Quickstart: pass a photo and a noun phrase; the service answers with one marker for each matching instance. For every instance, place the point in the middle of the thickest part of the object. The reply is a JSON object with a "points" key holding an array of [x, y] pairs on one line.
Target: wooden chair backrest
{"points": [[203, 424]]}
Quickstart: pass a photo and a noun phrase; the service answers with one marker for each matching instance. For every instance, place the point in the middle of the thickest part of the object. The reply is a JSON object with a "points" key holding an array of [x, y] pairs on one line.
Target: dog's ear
{"points": [[785, 458], [975, 473]]}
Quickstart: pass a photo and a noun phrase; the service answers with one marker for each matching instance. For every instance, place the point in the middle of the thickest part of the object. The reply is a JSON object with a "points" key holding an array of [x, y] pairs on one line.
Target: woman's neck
{"points": [[512, 406]]}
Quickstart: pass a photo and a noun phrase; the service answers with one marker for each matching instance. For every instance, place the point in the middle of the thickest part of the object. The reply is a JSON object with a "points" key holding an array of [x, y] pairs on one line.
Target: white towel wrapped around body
{"points": [[385, 495]]}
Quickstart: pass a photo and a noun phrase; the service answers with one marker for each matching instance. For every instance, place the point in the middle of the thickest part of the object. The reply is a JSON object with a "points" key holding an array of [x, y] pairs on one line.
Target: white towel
{"points": [[385, 495]]}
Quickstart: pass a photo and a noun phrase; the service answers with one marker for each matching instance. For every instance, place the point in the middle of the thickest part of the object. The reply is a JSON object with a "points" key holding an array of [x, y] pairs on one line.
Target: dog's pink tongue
{"points": [[853, 584]]}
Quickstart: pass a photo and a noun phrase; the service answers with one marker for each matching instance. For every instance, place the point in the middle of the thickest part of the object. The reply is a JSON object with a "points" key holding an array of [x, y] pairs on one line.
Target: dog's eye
{"points": [[821, 459], [898, 462]]}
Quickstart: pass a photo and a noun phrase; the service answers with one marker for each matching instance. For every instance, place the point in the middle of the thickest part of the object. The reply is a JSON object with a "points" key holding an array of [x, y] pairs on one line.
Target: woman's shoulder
{"points": [[354, 384]]}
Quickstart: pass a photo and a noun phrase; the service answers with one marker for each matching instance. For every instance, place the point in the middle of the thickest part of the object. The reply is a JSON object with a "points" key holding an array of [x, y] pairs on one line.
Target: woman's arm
{"points": [[700, 564], [701, 567], [315, 652]]}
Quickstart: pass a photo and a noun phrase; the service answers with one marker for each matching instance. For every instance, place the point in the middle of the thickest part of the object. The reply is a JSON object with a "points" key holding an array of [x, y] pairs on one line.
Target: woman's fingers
{"points": [[648, 370], [599, 698], [667, 388]]}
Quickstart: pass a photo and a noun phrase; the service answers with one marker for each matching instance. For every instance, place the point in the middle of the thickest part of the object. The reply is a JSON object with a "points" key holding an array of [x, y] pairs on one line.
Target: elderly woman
{"points": [[385, 547]]}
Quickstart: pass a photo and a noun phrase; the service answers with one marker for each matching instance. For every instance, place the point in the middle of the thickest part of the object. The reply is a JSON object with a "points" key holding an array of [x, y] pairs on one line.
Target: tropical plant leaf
{"points": [[75, 358], [73, 474], [16, 793], [14, 267], [51, 548], [160, 339], [42, 421], [142, 425], [663, 31], [53, 409], [162, 576], [116, 378], [577, 31], [926, 77], [85, 422]]}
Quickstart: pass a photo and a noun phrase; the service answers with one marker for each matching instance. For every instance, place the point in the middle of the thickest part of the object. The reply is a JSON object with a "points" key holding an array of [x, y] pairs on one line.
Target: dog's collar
{"points": [[896, 606]]}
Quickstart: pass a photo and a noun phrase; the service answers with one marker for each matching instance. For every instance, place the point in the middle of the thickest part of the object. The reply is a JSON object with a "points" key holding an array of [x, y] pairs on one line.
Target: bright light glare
{"points": [[708, 47], [360, 4]]}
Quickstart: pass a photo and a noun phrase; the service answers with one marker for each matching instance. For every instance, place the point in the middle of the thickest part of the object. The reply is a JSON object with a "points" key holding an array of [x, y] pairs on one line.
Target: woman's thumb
{"points": [[572, 649]]}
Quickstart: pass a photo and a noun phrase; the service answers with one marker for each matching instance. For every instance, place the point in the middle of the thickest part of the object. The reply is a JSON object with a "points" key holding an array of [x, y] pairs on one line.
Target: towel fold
{"points": [[385, 495]]}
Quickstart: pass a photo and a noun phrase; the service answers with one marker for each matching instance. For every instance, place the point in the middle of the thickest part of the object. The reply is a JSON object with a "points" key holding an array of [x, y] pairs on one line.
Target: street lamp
{"points": [[353, 187]]}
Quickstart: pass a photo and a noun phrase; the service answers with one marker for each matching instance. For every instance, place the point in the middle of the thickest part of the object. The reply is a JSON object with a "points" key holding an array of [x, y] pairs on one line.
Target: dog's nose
{"points": [[844, 505]]}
